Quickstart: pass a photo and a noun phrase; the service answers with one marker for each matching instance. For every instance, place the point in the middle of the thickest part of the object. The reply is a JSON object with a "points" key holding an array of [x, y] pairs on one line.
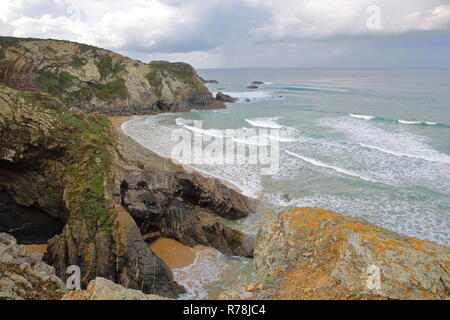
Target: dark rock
{"points": [[209, 81], [225, 98], [258, 83], [39, 170], [252, 87], [164, 200]]}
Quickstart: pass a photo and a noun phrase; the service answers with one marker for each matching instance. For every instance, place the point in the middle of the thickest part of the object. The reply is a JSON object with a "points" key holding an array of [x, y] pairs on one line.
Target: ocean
{"points": [[373, 144]]}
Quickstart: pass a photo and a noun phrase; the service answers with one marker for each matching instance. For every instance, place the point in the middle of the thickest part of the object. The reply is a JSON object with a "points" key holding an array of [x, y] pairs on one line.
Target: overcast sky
{"points": [[246, 33]]}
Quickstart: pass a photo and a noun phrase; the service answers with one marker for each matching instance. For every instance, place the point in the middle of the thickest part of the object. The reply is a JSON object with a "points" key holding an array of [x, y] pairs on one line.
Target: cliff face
{"points": [[90, 79], [75, 169], [58, 162]]}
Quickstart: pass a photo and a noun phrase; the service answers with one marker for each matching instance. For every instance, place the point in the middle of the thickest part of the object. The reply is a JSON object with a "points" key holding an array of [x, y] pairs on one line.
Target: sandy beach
{"points": [[36, 248], [173, 253], [117, 121]]}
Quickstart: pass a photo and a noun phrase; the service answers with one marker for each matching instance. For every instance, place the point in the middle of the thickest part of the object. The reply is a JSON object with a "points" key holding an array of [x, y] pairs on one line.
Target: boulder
{"points": [[25, 276], [252, 87], [225, 98], [209, 81], [104, 289], [258, 83], [317, 254]]}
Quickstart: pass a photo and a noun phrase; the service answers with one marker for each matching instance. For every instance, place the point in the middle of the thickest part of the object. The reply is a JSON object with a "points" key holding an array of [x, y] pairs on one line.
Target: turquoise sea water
{"points": [[366, 143]]}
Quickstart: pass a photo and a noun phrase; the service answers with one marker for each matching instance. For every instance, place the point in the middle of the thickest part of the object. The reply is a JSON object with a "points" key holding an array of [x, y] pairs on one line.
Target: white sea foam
{"points": [[253, 141], [401, 213], [318, 163], [361, 116], [398, 142], [205, 132], [432, 158], [207, 268], [409, 122], [182, 121], [268, 122]]}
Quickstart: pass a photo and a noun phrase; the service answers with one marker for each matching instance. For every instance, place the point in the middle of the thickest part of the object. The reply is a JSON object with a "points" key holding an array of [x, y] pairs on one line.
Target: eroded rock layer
{"points": [[91, 79]]}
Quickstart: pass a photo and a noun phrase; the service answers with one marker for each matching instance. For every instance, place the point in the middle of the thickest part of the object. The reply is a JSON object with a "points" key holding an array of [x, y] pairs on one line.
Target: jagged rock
{"points": [[209, 81], [24, 276], [162, 197], [318, 254], [75, 168], [258, 83], [103, 289], [60, 163], [252, 87], [91, 79], [225, 98]]}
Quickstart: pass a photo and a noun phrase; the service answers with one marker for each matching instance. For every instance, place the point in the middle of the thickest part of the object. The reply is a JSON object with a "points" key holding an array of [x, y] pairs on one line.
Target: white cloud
{"points": [[303, 19], [221, 32]]}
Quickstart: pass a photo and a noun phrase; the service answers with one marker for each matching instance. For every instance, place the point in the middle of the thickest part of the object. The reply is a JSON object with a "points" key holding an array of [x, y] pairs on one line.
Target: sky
{"points": [[247, 33]]}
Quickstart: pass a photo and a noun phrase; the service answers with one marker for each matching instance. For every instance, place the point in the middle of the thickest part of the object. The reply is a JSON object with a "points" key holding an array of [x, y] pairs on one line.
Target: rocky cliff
{"points": [[90, 79], [306, 253], [74, 169]]}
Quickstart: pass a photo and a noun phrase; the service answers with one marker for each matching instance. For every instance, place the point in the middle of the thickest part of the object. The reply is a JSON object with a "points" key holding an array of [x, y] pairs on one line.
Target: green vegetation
{"points": [[9, 122], [115, 89], [78, 62], [54, 82], [9, 41], [85, 93], [155, 80], [112, 90], [85, 47], [50, 50], [179, 70], [87, 139], [106, 67]]}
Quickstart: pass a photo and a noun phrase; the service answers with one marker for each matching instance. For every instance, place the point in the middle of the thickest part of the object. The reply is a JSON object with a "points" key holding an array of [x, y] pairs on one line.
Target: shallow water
{"points": [[367, 143]]}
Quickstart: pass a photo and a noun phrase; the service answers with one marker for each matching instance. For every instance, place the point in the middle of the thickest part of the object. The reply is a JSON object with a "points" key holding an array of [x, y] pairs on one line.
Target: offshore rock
{"points": [[225, 98]]}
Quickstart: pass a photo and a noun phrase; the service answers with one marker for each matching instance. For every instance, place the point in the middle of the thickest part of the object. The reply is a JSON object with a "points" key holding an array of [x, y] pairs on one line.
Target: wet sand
{"points": [[36, 248], [173, 253], [117, 121]]}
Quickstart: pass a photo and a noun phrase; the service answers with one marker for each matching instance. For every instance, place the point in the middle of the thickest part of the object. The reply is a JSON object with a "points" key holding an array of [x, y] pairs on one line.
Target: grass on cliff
{"points": [[106, 67], [178, 70], [114, 89], [53, 82], [155, 80], [78, 62], [91, 138]]}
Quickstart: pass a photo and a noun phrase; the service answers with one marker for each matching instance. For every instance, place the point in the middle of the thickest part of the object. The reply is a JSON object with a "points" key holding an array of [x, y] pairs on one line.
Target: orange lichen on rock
{"points": [[325, 255], [309, 217]]}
